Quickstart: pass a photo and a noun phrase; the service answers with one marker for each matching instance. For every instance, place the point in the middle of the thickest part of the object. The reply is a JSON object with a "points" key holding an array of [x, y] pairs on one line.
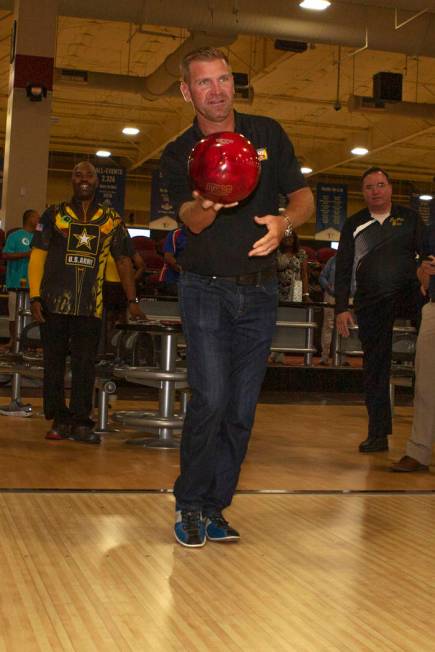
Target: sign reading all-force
{"points": [[111, 189]]}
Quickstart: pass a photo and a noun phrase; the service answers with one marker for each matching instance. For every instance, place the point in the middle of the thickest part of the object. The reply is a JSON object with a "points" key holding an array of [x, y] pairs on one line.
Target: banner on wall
{"points": [[331, 206], [112, 187], [426, 209], [160, 205]]}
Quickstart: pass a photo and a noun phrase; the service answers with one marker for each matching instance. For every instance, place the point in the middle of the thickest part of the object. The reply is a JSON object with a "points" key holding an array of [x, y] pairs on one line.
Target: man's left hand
{"points": [[275, 231], [135, 311]]}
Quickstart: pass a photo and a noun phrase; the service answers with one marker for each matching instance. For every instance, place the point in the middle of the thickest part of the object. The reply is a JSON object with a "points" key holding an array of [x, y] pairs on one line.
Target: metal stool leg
{"points": [[103, 428], [184, 399], [166, 398], [16, 408]]}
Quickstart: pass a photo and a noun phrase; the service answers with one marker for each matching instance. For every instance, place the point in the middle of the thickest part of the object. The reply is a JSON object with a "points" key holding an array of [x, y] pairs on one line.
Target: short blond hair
{"points": [[201, 54]]}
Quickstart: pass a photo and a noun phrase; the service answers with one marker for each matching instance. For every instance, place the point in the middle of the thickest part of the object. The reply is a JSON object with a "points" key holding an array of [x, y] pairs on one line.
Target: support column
{"points": [[27, 121]]}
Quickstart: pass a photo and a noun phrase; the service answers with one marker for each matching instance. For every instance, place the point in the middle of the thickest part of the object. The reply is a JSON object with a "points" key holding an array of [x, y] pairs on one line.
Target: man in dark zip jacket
{"points": [[380, 244]]}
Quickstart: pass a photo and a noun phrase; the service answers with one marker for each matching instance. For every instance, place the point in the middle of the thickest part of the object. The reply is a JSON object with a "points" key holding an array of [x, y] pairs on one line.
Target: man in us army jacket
{"points": [[66, 273]]}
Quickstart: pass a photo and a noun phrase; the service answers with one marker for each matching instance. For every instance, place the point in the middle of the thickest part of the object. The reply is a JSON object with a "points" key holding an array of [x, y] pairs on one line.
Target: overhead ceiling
{"points": [[307, 92]]}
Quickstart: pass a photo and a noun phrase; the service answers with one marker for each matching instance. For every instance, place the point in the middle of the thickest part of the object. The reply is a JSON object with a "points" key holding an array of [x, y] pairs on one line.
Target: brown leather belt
{"points": [[254, 278]]}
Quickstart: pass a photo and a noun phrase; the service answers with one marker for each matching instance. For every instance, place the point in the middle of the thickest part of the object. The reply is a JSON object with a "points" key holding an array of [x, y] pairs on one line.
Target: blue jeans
{"points": [[228, 330]]}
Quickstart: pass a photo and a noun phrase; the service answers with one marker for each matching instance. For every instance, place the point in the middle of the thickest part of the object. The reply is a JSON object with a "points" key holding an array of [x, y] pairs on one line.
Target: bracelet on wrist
{"points": [[135, 300], [289, 226], [34, 299]]}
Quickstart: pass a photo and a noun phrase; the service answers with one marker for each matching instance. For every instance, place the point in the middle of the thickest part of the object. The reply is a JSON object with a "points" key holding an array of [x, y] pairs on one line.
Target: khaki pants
{"points": [[419, 444]]}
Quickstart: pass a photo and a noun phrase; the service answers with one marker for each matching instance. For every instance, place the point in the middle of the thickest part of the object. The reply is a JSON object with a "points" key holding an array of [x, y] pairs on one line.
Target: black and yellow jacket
{"points": [[69, 255]]}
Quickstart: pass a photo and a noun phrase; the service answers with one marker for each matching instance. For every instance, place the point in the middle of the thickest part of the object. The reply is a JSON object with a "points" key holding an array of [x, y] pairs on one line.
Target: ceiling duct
{"points": [[160, 83], [345, 23]]}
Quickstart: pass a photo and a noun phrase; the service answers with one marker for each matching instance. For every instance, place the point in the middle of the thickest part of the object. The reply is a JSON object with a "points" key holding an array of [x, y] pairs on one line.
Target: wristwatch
{"points": [[135, 300], [289, 228], [33, 299]]}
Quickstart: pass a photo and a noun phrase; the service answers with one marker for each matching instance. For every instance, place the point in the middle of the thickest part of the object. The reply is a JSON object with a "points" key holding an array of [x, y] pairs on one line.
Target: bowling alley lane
{"points": [[311, 573]]}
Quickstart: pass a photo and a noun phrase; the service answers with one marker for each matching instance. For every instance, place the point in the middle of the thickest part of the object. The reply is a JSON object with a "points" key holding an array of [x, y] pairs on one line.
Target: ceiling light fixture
{"points": [[359, 151], [103, 153], [425, 197], [306, 170], [130, 131], [315, 5]]}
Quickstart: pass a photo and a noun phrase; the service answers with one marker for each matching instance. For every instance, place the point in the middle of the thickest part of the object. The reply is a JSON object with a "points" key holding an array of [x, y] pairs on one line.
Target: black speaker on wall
{"points": [[387, 86]]}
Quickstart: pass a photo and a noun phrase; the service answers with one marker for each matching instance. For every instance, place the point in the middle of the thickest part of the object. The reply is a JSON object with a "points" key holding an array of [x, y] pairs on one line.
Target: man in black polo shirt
{"points": [[66, 273], [228, 294], [380, 244], [419, 446]]}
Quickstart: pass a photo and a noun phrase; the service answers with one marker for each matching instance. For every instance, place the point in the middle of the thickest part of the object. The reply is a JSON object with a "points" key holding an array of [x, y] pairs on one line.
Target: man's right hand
{"points": [[425, 271], [199, 213], [36, 310], [344, 321], [208, 203]]}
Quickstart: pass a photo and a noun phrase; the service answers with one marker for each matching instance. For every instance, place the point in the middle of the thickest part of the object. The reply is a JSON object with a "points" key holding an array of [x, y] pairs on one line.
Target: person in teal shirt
{"points": [[16, 253]]}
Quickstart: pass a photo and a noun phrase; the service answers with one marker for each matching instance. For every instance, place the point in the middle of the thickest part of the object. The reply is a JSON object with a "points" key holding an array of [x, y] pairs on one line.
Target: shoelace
{"points": [[191, 521], [218, 520]]}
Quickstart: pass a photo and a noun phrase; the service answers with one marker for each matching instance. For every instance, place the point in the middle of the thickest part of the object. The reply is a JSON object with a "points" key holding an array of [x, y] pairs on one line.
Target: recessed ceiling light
{"points": [[315, 5], [103, 153], [359, 151], [306, 170], [130, 131], [425, 197]]}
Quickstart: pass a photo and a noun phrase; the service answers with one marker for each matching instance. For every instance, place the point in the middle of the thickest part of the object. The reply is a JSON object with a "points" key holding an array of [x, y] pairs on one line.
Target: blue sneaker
{"points": [[189, 528], [218, 529]]}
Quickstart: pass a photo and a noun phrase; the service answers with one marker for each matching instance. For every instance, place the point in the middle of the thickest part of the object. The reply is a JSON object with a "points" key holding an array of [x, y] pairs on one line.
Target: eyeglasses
{"points": [[372, 186]]}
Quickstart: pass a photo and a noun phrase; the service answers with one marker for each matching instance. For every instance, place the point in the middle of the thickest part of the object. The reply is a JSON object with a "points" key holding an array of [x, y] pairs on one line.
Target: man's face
{"points": [[377, 192], [33, 220], [210, 88], [84, 181]]}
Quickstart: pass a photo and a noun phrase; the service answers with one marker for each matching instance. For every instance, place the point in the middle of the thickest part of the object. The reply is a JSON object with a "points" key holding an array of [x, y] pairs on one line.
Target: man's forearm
{"points": [[36, 271], [195, 217], [300, 206], [17, 255], [126, 275]]}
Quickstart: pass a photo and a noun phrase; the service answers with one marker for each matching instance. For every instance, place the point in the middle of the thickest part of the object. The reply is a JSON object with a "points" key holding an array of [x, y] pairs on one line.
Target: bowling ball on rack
{"points": [[224, 167]]}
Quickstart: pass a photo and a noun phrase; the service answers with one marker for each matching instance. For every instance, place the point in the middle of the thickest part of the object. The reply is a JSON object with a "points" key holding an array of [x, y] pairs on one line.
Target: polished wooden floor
{"points": [[337, 554], [294, 447]]}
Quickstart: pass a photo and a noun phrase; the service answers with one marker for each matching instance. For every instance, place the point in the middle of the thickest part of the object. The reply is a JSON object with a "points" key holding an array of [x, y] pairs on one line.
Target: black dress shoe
{"points": [[84, 434], [373, 445]]}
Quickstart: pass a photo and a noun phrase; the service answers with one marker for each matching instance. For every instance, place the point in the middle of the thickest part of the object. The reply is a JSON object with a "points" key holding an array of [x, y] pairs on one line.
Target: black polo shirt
{"points": [[382, 256], [431, 250], [222, 248], [77, 247]]}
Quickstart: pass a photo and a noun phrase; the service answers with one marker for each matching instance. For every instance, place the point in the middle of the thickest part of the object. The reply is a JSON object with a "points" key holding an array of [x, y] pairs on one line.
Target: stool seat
{"points": [[152, 327]]}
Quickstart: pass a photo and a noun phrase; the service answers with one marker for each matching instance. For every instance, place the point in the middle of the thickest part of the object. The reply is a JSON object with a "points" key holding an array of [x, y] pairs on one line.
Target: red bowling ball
{"points": [[224, 167]]}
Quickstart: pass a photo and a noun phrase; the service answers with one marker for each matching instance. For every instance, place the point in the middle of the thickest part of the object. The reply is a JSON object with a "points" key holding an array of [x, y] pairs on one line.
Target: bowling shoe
{"points": [[59, 431], [84, 434], [189, 528], [218, 529]]}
